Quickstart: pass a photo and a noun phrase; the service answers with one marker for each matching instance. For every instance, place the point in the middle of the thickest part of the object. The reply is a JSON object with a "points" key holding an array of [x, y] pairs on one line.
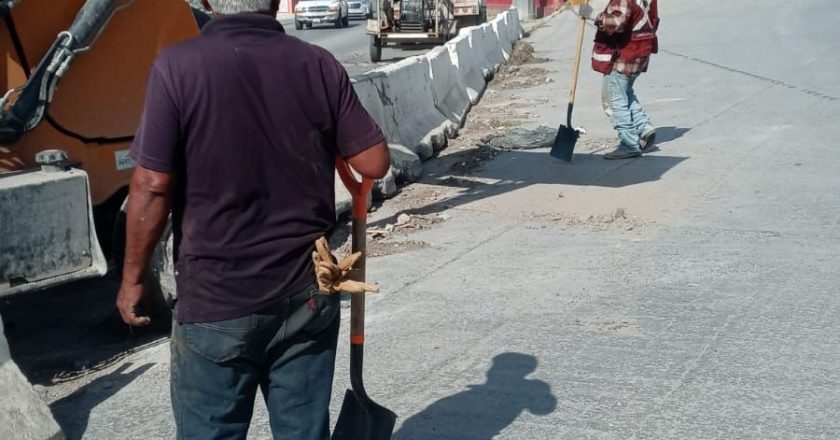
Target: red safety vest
{"points": [[634, 43]]}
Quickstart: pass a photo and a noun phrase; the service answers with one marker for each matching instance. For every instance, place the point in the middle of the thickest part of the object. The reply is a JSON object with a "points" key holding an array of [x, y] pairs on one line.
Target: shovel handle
{"points": [[575, 70], [576, 67], [359, 190]]}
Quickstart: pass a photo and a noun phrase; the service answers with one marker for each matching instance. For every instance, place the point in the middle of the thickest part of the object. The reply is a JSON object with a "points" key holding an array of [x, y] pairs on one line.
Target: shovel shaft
{"points": [[357, 300], [576, 68], [569, 110], [360, 417]]}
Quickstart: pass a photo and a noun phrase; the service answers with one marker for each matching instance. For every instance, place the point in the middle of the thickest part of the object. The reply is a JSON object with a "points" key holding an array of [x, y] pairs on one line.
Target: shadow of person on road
{"points": [[483, 411], [73, 412], [73, 327], [669, 133]]}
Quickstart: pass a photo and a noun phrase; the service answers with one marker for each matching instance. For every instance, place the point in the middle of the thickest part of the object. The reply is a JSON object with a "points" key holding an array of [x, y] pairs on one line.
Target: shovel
{"points": [[360, 418], [564, 142]]}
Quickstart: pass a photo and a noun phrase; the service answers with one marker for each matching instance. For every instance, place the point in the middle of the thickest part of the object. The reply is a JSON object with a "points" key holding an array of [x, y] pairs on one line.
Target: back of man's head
{"points": [[227, 7]]}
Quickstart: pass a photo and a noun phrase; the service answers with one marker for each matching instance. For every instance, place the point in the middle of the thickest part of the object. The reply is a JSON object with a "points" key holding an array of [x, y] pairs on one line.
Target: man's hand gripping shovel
{"points": [[360, 418]]}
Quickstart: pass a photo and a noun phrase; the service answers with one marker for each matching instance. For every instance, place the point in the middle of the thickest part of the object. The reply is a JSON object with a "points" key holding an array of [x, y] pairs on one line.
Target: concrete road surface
{"points": [[350, 45], [688, 294]]}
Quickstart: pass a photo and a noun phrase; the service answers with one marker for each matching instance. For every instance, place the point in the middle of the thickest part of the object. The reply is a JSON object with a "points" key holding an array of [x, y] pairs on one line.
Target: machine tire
{"points": [[160, 277], [375, 49], [466, 21], [482, 15], [298, 25]]}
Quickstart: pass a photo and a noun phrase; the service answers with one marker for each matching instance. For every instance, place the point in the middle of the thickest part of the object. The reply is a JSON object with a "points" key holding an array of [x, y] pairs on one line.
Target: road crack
{"points": [[777, 82]]}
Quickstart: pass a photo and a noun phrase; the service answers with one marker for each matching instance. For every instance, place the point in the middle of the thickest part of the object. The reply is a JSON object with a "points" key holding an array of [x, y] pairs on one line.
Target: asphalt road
{"points": [[349, 45], [687, 294]]}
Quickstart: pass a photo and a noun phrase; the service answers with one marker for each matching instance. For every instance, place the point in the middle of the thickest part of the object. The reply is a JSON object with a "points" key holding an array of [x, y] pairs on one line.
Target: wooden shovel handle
{"points": [[576, 67]]}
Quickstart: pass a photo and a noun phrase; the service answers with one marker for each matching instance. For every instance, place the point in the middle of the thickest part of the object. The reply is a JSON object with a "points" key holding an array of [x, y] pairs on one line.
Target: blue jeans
{"points": [[288, 352], [622, 106]]}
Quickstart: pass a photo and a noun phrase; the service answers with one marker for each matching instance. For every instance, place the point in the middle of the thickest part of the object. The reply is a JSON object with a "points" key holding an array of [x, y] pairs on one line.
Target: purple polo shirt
{"points": [[248, 120]]}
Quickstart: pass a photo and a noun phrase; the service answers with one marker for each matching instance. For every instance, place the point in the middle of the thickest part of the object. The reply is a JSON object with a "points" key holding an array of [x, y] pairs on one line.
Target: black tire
{"points": [[118, 238], [298, 25], [104, 218], [159, 294], [375, 49], [201, 17]]}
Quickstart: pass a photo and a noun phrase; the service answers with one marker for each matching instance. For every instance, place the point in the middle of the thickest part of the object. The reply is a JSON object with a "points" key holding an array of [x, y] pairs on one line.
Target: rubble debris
{"points": [[523, 53], [403, 220], [521, 139]]}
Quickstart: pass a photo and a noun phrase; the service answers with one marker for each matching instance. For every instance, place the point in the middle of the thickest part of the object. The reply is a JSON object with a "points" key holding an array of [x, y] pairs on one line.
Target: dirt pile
{"points": [[523, 53]]}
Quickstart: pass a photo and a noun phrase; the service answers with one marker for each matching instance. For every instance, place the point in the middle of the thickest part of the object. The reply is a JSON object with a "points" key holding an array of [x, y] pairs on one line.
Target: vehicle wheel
{"points": [[160, 276], [298, 25], [465, 22], [104, 217], [375, 49]]}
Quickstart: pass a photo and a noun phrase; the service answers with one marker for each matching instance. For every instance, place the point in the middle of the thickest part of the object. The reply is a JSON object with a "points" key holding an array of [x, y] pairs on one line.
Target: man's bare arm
{"points": [[372, 163], [148, 208]]}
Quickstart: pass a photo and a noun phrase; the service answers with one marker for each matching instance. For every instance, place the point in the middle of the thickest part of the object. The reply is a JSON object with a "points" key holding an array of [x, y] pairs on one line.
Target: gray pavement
{"points": [[687, 294], [349, 45]]}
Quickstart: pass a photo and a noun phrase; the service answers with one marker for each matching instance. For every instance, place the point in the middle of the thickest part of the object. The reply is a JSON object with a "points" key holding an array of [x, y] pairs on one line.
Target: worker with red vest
{"points": [[625, 40]]}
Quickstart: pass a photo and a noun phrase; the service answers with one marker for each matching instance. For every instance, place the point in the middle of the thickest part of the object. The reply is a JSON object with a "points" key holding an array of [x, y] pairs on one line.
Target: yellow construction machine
{"points": [[72, 86]]}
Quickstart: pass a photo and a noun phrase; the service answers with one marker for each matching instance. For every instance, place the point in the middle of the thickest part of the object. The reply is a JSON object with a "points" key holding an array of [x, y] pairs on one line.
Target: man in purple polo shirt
{"points": [[238, 138]]}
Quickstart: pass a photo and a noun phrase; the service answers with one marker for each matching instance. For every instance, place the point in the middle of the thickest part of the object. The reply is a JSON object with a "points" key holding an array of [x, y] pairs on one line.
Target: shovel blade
{"points": [[564, 143], [363, 419]]}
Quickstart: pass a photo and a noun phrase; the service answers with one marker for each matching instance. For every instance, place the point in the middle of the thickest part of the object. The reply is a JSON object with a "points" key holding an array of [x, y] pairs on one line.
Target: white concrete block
{"points": [[23, 415]]}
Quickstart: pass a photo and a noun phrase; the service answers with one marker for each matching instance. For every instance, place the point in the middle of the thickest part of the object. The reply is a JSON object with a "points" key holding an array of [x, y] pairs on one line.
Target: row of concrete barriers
{"points": [[422, 101]]}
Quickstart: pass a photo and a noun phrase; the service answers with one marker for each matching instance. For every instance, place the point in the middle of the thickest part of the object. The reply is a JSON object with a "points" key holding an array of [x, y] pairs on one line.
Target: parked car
{"points": [[360, 9], [312, 12]]}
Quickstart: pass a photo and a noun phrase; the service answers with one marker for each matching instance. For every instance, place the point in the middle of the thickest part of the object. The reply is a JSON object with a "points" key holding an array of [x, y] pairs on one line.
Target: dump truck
{"points": [[420, 22], [72, 87]]}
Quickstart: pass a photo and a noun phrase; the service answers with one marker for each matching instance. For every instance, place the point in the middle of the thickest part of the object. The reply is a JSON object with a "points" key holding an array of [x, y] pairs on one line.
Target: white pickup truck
{"points": [[312, 12]]}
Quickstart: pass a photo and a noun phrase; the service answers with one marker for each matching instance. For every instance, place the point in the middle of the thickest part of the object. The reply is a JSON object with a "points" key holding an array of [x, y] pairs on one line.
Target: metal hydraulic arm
{"points": [[22, 109]]}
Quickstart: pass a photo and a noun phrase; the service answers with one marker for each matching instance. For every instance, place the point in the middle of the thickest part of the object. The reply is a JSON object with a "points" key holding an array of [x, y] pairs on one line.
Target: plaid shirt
{"points": [[616, 19]]}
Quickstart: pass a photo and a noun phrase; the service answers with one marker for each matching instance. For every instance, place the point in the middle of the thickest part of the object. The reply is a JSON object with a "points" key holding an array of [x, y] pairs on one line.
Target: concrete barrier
{"points": [[470, 67], [23, 415], [449, 93], [485, 41], [421, 101], [409, 90]]}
